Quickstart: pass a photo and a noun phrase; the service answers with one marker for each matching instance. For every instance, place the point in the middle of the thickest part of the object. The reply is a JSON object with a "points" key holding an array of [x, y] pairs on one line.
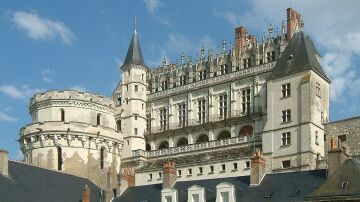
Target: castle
{"points": [[200, 119]]}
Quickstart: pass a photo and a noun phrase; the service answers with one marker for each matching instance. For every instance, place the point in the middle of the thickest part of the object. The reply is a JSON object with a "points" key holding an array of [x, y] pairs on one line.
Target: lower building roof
{"points": [[292, 186], [29, 183]]}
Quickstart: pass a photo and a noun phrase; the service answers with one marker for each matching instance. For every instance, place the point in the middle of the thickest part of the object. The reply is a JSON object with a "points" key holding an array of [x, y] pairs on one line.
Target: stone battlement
{"points": [[72, 95]]}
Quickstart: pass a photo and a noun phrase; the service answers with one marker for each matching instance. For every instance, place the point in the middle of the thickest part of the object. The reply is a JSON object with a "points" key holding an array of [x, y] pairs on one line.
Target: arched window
{"points": [[62, 112], [60, 160], [202, 138], [246, 130], [148, 147], [224, 135], [118, 125], [164, 145], [98, 118], [102, 157], [182, 142]]}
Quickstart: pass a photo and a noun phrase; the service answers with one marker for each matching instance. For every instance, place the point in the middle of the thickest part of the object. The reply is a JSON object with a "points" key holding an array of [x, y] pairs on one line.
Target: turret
{"points": [[132, 90]]}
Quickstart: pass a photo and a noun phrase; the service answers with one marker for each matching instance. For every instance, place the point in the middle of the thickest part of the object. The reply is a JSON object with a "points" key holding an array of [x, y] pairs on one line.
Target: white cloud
{"points": [[78, 88], [336, 33], [42, 28], [46, 75], [152, 5], [23, 92], [7, 118]]}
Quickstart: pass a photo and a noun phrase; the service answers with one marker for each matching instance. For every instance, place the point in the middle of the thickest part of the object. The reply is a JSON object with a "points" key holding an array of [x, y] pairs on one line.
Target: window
{"points": [[135, 117], [286, 164], [98, 118], [285, 138], [342, 138], [195, 198], [202, 75], [62, 116], [150, 176], [102, 157], [135, 131], [201, 111], [316, 138], [344, 184], [318, 89], [268, 57], [246, 63], [285, 90], [182, 80], [159, 175], [200, 170], [142, 77], [118, 125], [163, 119], [189, 171], [127, 87], [245, 101], [148, 122], [223, 106], [224, 196], [60, 160], [182, 114], [136, 88], [235, 166], [127, 101], [286, 116], [119, 99], [268, 194], [222, 167], [211, 169], [179, 172], [247, 164], [272, 55], [142, 106], [164, 85], [168, 199], [222, 69]]}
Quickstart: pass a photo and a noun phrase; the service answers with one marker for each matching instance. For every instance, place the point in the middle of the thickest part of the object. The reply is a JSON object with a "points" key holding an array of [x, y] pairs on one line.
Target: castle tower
{"points": [[131, 96], [74, 132], [298, 107]]}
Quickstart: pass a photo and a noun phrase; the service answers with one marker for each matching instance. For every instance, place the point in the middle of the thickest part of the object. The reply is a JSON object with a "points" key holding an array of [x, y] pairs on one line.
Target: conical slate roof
{"points": [[134, 55], [299, 55]]}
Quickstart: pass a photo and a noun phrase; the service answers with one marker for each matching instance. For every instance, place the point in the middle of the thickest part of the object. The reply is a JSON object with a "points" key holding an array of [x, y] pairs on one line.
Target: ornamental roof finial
{"points": [[270, 31]]}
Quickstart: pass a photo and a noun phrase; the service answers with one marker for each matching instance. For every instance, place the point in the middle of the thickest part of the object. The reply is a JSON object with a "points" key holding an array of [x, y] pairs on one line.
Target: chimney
{"points": [[240, 41], [336, 157], [257, 171], [86, 194], [169, 174], [4, 163], [293, 22]]}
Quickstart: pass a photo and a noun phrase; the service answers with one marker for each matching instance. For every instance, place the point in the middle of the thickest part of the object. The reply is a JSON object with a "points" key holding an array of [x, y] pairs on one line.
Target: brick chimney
{"points": [[169, 174], [336, 157], [4, 163], [257, 171], [293, 21], [86, 194], [240, 40]]}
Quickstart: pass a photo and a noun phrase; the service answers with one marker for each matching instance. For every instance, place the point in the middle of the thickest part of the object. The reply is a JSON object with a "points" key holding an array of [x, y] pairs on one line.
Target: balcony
{"points": [[239, 140], [229, 118]]}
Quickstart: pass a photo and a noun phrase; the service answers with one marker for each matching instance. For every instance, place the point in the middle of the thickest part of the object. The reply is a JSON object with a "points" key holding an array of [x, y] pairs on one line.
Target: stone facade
{"points": [[209, 115]]}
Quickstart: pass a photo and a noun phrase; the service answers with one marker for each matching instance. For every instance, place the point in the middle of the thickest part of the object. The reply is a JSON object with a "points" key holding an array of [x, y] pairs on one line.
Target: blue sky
{"points": [[81, 44]]}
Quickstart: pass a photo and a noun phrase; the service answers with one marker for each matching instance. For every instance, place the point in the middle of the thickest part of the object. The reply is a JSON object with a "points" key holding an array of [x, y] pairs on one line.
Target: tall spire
{"points": [[134, 55]]}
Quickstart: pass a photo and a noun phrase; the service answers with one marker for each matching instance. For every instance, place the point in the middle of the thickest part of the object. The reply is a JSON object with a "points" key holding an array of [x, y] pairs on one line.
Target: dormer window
{"points": [[202, 75], [164, 85], [182, 80], [222, 69]]}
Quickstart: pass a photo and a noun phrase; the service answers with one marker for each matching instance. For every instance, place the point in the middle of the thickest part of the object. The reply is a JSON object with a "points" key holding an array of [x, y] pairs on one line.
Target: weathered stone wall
{"points": [[349, 128]]}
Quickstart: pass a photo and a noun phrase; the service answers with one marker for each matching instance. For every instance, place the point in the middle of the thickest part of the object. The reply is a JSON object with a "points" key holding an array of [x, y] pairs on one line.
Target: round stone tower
{"points": [[73, 132]]}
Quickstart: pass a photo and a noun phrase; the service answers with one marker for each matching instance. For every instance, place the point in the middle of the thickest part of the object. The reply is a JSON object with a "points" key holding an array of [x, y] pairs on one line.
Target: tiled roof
{"points": [[30, 183], [292, 186], [134, 55]]}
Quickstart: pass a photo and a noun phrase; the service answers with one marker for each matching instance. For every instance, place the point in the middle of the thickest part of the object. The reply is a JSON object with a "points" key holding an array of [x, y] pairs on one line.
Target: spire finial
{"points": [[224, 45], [270, 31], [282, 27], [135, 23], [182, 58]]}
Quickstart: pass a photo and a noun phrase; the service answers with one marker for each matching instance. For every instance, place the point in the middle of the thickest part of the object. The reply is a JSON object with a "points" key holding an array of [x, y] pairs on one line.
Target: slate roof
{"points": [[134, 55], [282, 185], [349, 172], [299, 55], [30, 183]]}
